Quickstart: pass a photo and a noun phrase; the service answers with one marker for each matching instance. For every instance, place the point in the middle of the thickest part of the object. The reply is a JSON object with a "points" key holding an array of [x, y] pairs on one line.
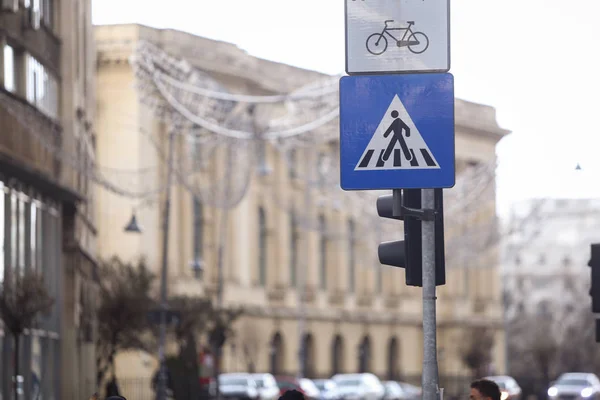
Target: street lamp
{"points": [[132, 226]]}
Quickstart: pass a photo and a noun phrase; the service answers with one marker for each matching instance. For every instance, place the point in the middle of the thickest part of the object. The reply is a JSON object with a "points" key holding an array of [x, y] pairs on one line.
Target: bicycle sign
{"points": [[383, 37], [417, 42]]}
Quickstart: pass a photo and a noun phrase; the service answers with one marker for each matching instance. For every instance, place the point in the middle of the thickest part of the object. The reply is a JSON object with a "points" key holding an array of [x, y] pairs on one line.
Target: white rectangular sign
{"points": [[397, 36]]}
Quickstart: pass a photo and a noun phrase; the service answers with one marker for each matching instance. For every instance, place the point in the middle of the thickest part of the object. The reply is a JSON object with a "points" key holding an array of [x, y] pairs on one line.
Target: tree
{"points": [[22, 299], [125, 300], [197, 316], [476, 350]]}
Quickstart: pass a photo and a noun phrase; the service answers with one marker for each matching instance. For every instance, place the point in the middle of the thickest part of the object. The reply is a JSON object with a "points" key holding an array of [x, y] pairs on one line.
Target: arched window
{"points": [[337, 355], [351, 255], [393, 359], [308, 349], [364, 355], [262, 247], [197, 237], [294, 239], [323, 251], [277, 354], [292, 164]]}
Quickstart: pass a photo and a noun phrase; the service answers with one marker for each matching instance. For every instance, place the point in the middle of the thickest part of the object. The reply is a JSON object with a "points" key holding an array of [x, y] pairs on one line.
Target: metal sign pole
{"points": [[429, 379]]}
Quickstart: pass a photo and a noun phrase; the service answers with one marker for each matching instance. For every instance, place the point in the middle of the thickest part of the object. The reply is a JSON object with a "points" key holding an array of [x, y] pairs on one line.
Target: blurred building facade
{"points": [[46, 209], [359, 315], [545, 252]]}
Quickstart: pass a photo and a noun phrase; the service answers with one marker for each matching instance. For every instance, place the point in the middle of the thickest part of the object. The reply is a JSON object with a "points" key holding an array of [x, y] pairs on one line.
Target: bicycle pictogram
{"points": [[417, 42]]}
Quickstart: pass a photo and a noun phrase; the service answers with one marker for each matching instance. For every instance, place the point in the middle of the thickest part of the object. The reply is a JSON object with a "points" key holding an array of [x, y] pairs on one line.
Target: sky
{"points": [[536, 61]]}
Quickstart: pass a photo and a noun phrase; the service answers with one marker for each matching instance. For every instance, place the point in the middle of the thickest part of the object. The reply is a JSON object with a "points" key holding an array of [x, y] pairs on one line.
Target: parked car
{"points": [[328, 389], [393, 391], [411, 392], [575, 386], [238, 387], [267, 386], [509, 388], [304, 386], [359, 386]]}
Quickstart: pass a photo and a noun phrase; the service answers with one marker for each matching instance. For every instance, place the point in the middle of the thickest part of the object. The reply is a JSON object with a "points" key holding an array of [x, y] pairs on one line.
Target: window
{"points": [[351, 255], [197, 236], [47, 8], [41, 87], [292, 164], [262, 247], [542, 259], [322, 168], [22, 206], [293, 250], [323, 251], [33, 236], [13, 230], [9, 68]]}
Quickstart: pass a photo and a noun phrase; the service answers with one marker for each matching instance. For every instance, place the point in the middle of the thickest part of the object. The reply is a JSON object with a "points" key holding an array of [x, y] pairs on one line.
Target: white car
{"points": [[238, 387], [359, 386], [267, 386], [575, 386]]}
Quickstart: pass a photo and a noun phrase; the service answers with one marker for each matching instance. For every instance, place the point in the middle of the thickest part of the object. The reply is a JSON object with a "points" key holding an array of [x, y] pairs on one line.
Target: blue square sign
{"points": [[397, 132]]}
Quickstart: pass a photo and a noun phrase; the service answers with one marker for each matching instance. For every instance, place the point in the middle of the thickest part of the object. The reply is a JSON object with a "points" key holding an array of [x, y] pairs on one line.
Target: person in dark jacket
{"points": [[112, 389], [484, 389], [292, 395]]}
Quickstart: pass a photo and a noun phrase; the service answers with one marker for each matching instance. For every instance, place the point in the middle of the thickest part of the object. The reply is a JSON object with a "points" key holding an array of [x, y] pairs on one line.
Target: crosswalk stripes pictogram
{"points": [[396, 144]]}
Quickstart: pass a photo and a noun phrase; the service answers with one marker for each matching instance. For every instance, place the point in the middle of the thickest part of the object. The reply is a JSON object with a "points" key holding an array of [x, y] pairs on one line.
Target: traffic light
{"points": [[407, 253], [595, 281]]}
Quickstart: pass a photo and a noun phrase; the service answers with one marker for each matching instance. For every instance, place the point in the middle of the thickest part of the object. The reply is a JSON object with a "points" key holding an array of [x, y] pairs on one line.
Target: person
{"points": [[396, 128], [292, 395], [484, 389]]}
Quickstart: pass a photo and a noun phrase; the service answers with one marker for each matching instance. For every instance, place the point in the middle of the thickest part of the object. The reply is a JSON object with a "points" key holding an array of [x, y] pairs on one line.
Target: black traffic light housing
{"points": [[595, 275], [407, 253]]}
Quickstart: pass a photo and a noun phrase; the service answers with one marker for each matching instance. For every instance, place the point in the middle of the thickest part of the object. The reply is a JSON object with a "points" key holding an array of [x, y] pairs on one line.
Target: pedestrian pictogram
{"points": [[397, 131], [396, 143]]}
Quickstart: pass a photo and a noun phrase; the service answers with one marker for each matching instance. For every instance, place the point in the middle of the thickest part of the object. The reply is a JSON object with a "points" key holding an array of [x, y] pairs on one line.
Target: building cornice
{"points": [[370, 317], [206, 54]]}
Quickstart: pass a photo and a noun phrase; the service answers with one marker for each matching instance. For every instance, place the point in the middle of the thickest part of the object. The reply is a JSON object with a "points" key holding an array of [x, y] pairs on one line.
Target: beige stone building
{"points": [[46, 201], [359, 315]]}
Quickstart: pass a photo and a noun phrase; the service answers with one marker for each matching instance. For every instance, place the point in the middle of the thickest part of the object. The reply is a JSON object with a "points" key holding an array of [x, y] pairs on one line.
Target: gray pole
{"points": [[162, 377], [429, 379]]}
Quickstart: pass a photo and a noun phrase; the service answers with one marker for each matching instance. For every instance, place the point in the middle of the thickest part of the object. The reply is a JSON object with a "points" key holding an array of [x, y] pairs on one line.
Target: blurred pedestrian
{"points": [[484, 389], [292, 395]]}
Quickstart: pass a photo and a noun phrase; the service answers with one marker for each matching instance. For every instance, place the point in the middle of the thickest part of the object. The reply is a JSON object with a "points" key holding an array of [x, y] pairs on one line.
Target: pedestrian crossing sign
{"points": [[397, 132]]}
